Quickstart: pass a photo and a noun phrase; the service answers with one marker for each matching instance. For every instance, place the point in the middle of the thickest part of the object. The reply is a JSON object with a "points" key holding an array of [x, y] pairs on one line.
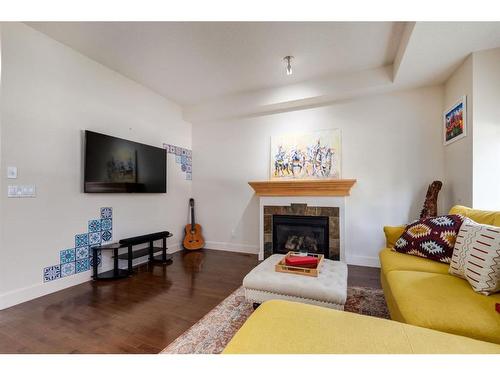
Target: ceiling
{"points": [[194, 62]]}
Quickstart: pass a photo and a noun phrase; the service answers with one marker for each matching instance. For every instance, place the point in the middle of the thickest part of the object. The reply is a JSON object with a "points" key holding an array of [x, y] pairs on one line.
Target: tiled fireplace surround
{"points": [[331, 207]]}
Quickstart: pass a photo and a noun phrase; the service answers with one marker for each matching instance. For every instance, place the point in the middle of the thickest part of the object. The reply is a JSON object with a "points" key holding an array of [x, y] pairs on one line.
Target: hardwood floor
{"points": [[141, 314]]}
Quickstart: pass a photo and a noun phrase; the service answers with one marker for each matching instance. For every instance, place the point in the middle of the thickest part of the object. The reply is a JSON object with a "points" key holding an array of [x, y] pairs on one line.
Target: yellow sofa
{"points": [[283, 327], [420, 292]]}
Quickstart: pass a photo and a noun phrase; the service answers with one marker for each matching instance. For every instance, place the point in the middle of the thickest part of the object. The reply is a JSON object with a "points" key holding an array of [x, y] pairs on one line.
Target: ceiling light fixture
{"points": [[288, 61]]}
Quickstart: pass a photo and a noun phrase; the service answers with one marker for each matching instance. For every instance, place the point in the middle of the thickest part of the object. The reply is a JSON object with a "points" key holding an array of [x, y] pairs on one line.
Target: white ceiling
{"points": [[435, 49], [192, 62]]}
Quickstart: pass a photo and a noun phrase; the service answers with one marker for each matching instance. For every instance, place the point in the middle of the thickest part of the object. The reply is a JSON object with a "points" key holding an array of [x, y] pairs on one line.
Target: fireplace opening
{"points": [[300, 233]]}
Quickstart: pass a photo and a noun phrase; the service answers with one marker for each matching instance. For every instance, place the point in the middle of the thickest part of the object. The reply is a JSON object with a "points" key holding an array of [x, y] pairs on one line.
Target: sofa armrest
{"points": [[392, 234]]}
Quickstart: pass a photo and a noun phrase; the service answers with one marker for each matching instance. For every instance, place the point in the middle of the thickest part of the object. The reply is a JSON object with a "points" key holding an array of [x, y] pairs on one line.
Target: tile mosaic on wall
{"points": [[80, 258], [82, 252], [68, 269], [94, 225], [82, 265], [183, 156], [67, 256], [51, 273]]}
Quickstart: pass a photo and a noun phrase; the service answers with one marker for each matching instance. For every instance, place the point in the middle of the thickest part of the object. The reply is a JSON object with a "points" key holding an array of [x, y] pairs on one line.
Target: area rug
{"points": [[212, 333]]}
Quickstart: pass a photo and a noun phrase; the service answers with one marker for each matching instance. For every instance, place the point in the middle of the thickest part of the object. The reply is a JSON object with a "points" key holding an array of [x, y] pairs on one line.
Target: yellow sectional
{"points": [[420, 292], [282, 327]]}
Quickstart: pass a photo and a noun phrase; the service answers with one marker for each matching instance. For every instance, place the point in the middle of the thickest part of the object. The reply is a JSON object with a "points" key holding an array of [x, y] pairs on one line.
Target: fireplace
{"points": [[314, 227], [300, 233]]}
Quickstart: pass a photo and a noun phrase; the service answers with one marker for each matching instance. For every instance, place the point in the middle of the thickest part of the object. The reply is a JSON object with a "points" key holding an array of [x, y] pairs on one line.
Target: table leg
{"points": [[151, 256], [115, 262], [94, 266], [164, 251], [130, 259]]}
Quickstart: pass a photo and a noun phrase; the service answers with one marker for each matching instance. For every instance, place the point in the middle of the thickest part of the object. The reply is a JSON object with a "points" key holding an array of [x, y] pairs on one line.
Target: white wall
{"points": [[391, 143], [457, 187], [50, 93], [486, 158]]}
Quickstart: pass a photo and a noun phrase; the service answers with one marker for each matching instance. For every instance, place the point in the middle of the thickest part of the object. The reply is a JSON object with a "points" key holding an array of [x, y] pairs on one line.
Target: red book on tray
{"points": [[301, 261]]}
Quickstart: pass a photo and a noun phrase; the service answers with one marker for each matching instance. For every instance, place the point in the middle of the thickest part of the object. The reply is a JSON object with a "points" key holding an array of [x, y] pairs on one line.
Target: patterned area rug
{"points": [[211, 334]]}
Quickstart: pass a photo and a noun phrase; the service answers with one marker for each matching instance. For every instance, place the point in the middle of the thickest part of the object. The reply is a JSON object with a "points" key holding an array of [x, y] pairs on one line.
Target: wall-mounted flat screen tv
{"points": [[115, 165]]}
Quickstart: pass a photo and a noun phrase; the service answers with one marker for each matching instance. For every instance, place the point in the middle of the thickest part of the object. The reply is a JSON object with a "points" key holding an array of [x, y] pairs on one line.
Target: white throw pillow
{"points": [[476, 256], [463, 244]]}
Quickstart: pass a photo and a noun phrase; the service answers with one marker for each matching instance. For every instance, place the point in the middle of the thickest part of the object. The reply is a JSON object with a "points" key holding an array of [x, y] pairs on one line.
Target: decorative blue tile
{"points": [[81, 239], [68, 269], [82, 252], [99, 259], [94, 226], [67, 256], [189, 153], [178, 159], [106, 224], [178, 150], [95, 238], [183, 152], [172, 149], [189, 168], [51, 273], [82, 265], [189, 160], [106, 235], [189, 176], [183, 167], [183, 159], [106, 213]]}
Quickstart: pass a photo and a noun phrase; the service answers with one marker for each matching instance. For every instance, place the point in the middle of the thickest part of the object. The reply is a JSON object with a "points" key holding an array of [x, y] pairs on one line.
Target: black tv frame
{"points": [[118, 187]]}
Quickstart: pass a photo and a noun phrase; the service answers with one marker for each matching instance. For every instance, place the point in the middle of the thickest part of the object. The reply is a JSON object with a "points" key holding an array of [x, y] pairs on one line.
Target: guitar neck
{"points": [[192, 217]]}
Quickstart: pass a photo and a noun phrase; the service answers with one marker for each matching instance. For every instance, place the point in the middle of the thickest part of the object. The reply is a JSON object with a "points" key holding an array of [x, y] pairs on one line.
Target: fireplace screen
{"points": [[300, 233]]}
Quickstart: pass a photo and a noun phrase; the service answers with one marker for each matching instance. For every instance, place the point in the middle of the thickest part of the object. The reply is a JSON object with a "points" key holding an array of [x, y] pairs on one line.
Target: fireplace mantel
{"points": [[297, 188]]}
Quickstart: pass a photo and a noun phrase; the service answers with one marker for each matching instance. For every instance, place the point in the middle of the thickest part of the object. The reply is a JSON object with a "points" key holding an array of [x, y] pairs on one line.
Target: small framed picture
{"points": [[455, 121]]}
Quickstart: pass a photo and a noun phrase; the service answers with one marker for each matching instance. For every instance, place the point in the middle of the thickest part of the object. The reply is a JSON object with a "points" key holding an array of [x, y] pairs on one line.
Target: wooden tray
{"points": [[281, 266]]}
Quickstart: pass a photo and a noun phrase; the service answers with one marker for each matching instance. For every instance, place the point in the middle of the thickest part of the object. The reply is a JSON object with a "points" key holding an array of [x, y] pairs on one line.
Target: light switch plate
{"points": [[12, 191], [11, 172], [21, 191]]}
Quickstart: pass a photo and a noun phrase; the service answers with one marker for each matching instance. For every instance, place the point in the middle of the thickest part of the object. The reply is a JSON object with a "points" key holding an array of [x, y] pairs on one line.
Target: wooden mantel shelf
{"points": [[287, 188]]}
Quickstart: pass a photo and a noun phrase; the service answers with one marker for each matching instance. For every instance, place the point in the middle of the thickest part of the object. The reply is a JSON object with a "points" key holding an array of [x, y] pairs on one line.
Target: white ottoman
{"points": [[329, 289]]}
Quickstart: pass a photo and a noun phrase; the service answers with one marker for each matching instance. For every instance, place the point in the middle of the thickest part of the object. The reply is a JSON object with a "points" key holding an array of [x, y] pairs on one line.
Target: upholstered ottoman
{"points": [[329, 289]]}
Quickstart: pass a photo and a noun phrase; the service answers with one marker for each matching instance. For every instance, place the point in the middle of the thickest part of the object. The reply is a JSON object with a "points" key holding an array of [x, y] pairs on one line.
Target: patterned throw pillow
{"points": [[463, 244], [431, 238], [476, 256]]}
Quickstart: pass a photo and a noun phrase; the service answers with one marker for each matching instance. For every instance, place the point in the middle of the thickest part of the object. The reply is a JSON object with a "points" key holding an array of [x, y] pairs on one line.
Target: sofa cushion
{"points": [[479, 216], [391, 260], [443, 302], [327, 331], [392, 234], [431, 238]]}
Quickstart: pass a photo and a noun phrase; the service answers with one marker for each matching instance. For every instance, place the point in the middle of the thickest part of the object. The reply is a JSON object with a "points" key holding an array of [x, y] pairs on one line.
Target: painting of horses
{"points": [[306, 156]]}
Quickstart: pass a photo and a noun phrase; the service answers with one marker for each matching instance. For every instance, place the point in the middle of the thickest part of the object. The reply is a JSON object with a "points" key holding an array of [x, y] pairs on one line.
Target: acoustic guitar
{"points": [[193, 240]]}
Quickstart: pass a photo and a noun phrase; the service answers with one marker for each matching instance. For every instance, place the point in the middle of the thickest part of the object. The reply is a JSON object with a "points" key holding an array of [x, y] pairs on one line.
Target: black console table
{"points": [[115, 273], [151, 250]]}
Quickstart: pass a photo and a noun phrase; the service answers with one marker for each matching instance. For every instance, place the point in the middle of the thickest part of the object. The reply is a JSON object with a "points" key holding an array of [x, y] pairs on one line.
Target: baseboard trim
{"points": [[34, 291], [357, 260], [233, 247]]}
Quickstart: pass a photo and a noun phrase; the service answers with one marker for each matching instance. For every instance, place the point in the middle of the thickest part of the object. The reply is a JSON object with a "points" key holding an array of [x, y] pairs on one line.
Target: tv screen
{"points": [[115, 165]]}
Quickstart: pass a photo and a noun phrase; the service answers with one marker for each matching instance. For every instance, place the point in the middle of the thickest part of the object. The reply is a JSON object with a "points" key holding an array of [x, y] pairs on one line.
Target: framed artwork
{"points": [[306, 156], [455, 121]]}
